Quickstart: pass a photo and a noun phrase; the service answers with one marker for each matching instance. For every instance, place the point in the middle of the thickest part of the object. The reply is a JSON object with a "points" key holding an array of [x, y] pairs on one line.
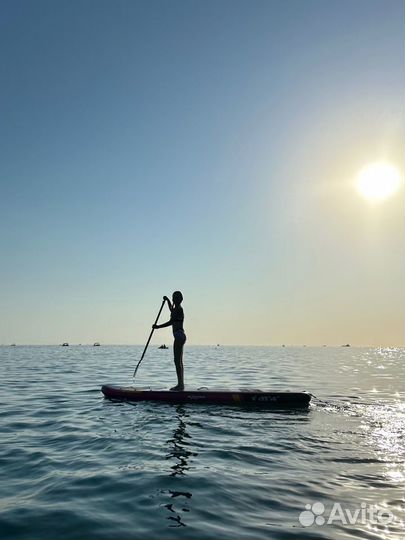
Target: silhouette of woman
{"points": [[176, 322]]}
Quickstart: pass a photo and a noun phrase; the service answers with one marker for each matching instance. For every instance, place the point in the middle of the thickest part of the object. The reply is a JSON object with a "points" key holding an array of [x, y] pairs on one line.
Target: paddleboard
{"points": [[219, 396]]}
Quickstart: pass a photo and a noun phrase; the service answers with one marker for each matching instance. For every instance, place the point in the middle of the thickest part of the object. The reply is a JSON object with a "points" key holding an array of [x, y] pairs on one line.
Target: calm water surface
{"points": [[76, 466]]}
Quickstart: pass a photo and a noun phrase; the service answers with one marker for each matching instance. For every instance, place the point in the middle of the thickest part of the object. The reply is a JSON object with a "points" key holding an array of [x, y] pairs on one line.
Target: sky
{"points": [[211, 147]]}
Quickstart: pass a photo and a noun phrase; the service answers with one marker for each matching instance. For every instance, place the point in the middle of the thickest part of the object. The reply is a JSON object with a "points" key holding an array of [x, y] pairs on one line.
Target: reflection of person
{"points": [[178, 450], [179, 455], [176, 321]]}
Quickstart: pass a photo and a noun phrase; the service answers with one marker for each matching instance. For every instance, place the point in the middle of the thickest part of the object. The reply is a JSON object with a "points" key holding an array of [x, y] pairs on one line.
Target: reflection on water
{"points": [[176, 512], [179, 455], [384, 427], [178, 445]]}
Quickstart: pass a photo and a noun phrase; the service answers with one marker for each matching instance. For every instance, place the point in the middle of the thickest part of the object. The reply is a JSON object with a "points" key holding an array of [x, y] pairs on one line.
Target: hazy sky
{"points": [[208, 146]]}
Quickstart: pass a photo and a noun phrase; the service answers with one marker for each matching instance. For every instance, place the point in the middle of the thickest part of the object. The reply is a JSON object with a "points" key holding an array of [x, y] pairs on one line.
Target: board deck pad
{"points": [[220, 396]]}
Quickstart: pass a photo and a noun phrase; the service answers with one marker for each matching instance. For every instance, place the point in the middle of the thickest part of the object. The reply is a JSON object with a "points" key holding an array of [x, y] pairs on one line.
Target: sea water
{"points": [[77, 466]]}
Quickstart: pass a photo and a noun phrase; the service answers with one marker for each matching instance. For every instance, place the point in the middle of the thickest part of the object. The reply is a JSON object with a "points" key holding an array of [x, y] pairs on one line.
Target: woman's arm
{"points": [[168, 323], [164, 325], [168, 303]]}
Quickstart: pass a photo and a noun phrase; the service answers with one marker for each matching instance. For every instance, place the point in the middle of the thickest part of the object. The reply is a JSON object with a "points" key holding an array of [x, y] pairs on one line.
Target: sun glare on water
{"points": [[378, 181]]}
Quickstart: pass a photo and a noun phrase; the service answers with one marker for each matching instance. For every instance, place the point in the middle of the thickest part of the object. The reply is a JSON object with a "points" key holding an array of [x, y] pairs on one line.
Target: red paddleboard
{"points": [[215, 396]]}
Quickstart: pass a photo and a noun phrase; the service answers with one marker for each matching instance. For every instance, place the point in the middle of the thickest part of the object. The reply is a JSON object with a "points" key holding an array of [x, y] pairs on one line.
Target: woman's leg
{"points": [[178, 361]]}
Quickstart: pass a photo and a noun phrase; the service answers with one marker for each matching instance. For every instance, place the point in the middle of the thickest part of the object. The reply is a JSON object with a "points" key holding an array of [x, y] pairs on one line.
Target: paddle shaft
{"points": [[150, 337]]}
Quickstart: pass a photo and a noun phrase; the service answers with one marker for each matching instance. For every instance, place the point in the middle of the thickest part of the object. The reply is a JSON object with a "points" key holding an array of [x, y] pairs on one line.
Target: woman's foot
{"points": [[177, 388]]}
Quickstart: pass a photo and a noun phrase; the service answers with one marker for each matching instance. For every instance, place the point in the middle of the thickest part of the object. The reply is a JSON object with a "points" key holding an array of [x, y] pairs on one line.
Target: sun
{"points": [[378, 181]]}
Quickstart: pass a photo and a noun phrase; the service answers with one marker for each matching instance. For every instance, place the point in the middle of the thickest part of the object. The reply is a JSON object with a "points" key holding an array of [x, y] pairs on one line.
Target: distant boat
{"points": [[12, 345], [65, 344], [163, 347], [347, 345], [96, 344]]}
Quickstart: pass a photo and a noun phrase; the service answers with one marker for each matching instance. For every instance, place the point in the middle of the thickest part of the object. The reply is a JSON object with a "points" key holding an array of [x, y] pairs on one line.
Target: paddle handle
{"points": [[150, 337]]}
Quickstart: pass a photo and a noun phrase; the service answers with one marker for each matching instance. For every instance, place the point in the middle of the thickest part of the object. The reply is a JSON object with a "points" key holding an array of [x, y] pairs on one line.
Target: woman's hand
{"points": [[166, 299], [155, 326]]}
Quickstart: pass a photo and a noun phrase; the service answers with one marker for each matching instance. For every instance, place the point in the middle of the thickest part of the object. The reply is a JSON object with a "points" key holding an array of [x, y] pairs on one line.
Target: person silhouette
{"points": [[176, 322]]}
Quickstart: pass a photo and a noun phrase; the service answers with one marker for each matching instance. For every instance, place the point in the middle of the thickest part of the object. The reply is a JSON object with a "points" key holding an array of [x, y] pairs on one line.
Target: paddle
{"points": [[150, 337]]}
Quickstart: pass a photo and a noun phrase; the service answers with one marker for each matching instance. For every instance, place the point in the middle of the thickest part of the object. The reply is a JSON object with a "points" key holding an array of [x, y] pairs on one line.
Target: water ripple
{"points": [[77, 466]]}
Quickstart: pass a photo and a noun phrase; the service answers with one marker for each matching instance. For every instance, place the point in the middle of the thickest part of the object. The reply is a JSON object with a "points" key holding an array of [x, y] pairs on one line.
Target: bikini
{"points": [[179, 332]]}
